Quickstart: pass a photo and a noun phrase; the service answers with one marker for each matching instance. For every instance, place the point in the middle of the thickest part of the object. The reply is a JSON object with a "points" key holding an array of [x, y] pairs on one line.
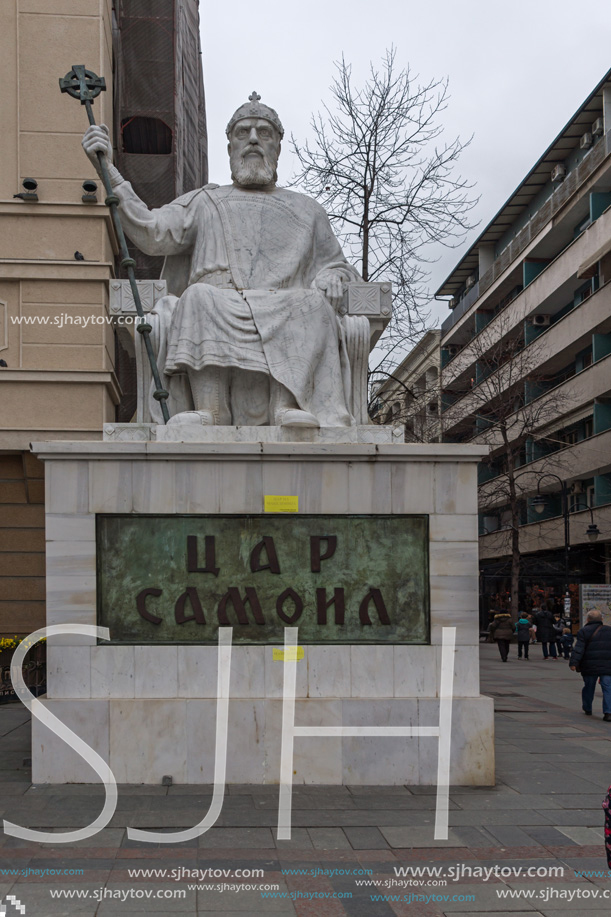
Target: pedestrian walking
{"points": [[501, 630], [567, 642], [546, 635], [558, 632], [533, 630], [522, 630], [591, 657]]}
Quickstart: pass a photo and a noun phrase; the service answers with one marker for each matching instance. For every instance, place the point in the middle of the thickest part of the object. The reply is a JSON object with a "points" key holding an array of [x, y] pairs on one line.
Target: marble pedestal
{"points": [[150, 710]]}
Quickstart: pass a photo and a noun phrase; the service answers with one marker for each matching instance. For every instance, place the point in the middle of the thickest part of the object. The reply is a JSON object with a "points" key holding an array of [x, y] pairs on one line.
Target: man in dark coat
{"points": [[592, 657], [546, 634]]}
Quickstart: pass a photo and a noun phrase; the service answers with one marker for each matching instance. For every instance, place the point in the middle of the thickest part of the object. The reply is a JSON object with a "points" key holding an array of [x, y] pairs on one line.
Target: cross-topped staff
{"points": [[84, 85]]}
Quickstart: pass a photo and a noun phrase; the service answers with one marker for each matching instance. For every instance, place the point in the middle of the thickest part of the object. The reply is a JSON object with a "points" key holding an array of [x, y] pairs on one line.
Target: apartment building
{"points": [[526, 365], [410, 395], [65, 369]]}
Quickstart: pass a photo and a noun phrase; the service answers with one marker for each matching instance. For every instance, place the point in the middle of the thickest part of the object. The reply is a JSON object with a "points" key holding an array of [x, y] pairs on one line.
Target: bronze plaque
{"points": [[340, 579]]}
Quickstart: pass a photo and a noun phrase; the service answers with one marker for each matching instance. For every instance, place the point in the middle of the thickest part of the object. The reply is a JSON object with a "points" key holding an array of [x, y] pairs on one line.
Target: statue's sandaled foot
{"points": [[202, 418], [292, 417]]}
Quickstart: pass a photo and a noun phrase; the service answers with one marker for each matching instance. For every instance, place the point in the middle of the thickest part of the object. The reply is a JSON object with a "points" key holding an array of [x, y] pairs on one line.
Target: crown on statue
{"points": [[254, 109]]}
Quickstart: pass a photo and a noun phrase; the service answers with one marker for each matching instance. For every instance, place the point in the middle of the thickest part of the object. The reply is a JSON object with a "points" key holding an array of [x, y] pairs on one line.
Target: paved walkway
{"points": [[553, 768]]}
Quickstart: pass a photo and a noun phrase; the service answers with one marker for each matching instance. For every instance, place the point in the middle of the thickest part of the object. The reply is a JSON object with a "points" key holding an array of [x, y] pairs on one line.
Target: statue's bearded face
{"points": [[254, 147]]}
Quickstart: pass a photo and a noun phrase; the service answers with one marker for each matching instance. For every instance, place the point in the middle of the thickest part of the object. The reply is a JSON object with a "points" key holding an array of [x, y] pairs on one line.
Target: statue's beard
{"points": [[252, 171]]}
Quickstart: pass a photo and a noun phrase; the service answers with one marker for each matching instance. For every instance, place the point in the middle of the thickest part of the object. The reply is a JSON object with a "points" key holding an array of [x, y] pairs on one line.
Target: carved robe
{"points": [[241, 271]]}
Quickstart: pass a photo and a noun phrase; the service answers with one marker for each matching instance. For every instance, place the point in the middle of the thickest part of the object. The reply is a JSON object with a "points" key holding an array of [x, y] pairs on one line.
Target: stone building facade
{"points": [[61, 374]]}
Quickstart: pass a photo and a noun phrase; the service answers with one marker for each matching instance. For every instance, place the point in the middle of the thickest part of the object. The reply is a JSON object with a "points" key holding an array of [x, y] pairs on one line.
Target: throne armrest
{"points": [[122, 299], [365, 314], [122, 305], [374, 302]]}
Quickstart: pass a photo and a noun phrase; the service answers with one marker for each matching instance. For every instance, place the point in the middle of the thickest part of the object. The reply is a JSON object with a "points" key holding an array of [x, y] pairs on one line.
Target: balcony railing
{"points": [[463, 306], [546, 212]]}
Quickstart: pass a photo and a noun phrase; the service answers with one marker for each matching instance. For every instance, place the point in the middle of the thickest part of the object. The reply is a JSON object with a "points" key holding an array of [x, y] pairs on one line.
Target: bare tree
{"points": [[387, 186], [506, 405], [414, 406]]}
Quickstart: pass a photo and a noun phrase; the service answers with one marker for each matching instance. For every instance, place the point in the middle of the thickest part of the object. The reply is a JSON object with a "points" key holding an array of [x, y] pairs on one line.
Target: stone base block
{"points": [[144, 740], [195, 433]]}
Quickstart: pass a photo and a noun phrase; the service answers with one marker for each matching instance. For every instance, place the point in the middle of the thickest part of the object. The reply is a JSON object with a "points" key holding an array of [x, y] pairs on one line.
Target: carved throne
{"points": [[364, 314]]}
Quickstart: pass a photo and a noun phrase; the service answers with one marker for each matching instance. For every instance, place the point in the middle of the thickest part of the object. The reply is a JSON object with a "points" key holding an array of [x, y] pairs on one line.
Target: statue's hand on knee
{"points": [[331, 285]]}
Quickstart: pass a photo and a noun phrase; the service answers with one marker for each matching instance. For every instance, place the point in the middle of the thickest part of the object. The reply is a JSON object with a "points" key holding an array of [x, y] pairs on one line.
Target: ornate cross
{"points": [[82, 84]]}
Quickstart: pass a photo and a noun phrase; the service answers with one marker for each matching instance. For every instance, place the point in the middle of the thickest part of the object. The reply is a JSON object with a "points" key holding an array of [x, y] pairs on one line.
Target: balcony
{"points": [[570, 334], [553, 288], [586, 459], [547, 535], [463, 307], [554, 204]]}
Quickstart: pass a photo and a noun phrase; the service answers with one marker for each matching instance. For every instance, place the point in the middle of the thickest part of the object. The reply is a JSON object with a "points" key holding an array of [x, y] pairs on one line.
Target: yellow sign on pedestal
{"points": [[293, 652], [272, 503]]}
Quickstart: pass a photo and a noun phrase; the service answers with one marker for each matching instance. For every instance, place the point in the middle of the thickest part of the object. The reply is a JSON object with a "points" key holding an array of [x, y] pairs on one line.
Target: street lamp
{"points": [[592, 530], [539, 503]]}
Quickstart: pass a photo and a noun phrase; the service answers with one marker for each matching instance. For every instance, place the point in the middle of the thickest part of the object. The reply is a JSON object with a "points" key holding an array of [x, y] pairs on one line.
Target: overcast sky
{"points": [[517, 73]]}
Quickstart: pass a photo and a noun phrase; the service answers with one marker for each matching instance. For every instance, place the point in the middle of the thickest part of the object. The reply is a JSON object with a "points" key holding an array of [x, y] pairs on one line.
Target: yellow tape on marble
{"points": [[273, 503], [293, 652]]}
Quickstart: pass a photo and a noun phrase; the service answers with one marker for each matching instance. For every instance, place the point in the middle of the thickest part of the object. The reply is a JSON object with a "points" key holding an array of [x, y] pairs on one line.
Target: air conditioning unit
{"points": [[586, 141], [576, 488], [541, 321], [598, 128], [558, 172], [452, 350]]}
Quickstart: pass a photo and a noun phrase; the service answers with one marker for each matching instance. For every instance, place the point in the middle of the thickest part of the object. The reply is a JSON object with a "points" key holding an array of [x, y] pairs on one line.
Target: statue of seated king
{"points": [[252, 331]]}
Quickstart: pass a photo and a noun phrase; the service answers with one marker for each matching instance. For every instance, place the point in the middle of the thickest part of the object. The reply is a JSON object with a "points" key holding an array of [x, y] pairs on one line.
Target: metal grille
{"points": [[144, 9], [147, 84], [158, 74]]}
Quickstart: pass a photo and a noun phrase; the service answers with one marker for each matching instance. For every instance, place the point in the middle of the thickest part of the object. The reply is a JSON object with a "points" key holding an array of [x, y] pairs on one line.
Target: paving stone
{"points": [[473, 837], [418, 837], [500, 787], [591, 801], [364, 790], [502, 817], [506, 801], [546, 836], [249, 902], [116, 909], [308, 802], [511, 836], [557, 912], [328, 839], [359, 907], [588, 818], [300, 840], [381, 800], [237, 837], [523, 782], [582, 836], [365, 838]]}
